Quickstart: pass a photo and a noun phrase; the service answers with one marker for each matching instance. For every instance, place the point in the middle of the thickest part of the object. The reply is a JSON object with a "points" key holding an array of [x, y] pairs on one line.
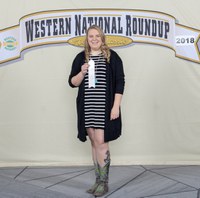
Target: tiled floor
{"points": [[125, 182]]}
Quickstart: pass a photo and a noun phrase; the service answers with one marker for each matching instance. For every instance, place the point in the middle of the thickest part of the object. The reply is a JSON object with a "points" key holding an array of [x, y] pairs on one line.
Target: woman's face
{"points": [[94, 39]]}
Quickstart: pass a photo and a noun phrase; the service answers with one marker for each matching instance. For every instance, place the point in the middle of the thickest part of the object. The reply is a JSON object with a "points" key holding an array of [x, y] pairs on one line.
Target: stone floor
{"points": [[125, 182]]}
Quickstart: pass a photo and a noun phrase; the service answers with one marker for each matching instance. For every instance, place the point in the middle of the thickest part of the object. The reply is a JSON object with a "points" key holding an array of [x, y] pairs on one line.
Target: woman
{"points": [[98, 72]]}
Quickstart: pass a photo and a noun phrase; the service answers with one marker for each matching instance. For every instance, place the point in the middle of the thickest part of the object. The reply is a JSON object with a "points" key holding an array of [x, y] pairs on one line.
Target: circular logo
{"points": [[10, 43]]}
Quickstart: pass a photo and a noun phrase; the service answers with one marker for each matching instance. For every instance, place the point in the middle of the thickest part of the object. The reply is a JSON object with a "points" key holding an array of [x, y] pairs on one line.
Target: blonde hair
{"points": [[104, 47]]}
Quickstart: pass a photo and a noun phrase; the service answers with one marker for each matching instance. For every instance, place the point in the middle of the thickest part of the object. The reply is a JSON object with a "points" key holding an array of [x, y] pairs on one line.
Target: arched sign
{"points": [[121, 26]]}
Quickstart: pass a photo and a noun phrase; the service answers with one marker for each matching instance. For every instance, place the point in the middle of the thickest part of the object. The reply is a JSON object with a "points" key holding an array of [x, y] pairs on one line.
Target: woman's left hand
{"points": [[114, 113]]}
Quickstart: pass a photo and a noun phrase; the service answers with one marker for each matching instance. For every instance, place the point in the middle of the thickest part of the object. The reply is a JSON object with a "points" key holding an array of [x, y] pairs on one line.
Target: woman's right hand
{"points": [[84, 68]]}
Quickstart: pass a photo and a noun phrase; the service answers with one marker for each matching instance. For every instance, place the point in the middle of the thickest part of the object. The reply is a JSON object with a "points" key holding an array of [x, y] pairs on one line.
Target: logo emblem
{"points": [[198, 44], [10, 43]]}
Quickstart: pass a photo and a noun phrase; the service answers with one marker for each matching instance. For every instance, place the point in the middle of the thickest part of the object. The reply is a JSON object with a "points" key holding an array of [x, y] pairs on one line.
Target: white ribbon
{"points": [[91, 73]]}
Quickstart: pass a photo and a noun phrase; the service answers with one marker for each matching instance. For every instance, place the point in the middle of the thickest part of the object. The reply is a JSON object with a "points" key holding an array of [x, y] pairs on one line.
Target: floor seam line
{"points": [[173, 179], [52, 176], [167, 167], [20, 173], [67, 179], [125, 184], [168, 193]]}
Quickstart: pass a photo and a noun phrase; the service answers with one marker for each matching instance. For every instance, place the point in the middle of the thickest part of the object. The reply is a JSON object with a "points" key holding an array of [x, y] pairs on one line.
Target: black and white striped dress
{"points": [[95, 98]]}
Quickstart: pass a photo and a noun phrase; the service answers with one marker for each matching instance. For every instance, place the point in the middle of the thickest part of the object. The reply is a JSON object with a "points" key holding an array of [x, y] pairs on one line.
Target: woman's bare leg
{"points": [[100, 147]]}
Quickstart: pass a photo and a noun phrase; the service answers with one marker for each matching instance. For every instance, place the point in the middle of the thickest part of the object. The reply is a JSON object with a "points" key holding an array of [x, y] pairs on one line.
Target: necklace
{"points": [[96, 65]]}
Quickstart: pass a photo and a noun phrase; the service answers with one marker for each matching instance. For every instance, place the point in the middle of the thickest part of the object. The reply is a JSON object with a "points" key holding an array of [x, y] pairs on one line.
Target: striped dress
{"points": [[95, 98]]}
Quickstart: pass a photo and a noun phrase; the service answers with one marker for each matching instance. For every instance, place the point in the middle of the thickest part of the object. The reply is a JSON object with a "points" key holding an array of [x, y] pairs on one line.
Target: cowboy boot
{"points": [[102, 188], [97, 174]]}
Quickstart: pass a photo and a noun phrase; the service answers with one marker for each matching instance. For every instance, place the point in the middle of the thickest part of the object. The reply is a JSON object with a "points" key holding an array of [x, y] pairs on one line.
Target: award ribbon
{"points": [[91, 73]]}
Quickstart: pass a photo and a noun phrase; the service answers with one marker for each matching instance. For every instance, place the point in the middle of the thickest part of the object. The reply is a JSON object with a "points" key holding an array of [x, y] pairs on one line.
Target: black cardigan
{"points": [[115, 84]]}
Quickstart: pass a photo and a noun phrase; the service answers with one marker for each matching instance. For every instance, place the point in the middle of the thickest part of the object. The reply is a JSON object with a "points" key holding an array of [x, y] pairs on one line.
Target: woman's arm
{"points": [[115, 109], [119, 89], [76, 80]]}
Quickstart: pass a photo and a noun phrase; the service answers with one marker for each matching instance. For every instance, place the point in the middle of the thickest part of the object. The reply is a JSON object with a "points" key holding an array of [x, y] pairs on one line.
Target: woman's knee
{"points": [[96, 137], [99, 136], [90, 132], [98, 141], [100, 144]]}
